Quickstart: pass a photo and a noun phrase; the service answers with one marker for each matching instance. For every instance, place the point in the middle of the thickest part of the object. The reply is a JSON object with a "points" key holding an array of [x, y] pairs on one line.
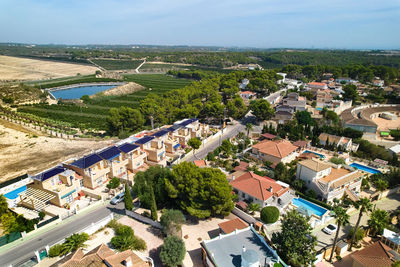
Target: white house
{"points": [[329, 181]]}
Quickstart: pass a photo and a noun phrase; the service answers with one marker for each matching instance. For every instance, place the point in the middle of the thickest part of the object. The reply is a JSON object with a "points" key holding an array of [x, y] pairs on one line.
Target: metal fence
{"points": [[48, 221], [8, 238]]}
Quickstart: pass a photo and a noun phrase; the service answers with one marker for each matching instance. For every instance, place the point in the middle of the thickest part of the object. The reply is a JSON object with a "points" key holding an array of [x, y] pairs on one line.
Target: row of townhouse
{"points": [[64, 182]]}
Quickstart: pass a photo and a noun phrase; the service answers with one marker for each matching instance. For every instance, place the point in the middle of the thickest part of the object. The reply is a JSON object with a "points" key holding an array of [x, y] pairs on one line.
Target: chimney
{"points": [[233, 177], [270, 189], [243, 249], [127, 262]]}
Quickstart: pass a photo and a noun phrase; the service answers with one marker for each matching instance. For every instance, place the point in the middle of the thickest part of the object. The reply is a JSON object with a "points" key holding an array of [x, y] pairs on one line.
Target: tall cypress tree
{"points": [[128, 198], [153, 208]]}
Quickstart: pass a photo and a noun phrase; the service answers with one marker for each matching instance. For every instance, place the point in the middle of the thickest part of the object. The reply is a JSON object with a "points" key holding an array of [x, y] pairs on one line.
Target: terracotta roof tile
{"points": [[374, 255], [277, 148], [258, 186], [232, 225]]}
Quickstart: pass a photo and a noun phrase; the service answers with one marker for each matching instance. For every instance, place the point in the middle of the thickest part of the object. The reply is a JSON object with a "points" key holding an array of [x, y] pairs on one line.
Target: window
{"points": [[69, 199], [81, 182], [99, 181]]}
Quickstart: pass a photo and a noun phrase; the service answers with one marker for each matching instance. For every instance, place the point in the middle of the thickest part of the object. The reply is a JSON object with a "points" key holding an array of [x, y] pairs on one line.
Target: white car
{"points": [[330, 229]]}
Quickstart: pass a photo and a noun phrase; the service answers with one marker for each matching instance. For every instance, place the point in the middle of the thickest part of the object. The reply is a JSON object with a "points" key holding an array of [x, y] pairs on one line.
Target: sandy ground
{"points": [[384, 124], [21, 152], [195, 232], [124, 89], [151, 235], [14, 68]]}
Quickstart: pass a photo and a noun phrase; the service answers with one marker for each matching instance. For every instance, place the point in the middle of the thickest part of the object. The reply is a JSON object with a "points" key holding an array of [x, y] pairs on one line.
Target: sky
{"points": [[342, 24]]}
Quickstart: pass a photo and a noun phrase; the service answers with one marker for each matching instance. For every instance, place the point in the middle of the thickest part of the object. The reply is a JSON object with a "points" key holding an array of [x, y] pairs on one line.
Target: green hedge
{"points": [[316, 201], [269, 214]]}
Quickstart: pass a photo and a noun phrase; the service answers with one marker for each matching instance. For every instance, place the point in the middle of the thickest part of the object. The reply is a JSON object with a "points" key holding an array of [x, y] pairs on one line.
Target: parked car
{"points": [[118, 198], [330, 229]]}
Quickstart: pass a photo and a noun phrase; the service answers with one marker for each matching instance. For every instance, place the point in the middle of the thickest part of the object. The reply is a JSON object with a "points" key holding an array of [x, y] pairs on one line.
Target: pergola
{"points": [[35, 199]]}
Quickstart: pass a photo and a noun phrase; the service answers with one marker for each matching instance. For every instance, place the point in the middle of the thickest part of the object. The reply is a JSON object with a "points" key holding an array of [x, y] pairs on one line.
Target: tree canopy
{"points": [[262, 109], [294, 242], [201, 192], [172, 251]]}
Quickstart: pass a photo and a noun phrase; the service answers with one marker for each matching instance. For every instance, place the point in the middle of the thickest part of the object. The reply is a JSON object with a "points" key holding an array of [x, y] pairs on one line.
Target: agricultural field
{"points": [[162, 67], [24, 69], [116, 64], [93, 114]]}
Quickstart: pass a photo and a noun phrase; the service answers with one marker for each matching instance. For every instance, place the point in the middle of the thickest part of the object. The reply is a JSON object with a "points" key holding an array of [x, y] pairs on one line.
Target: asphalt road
{"points": [[71, 225], [229, 132]]}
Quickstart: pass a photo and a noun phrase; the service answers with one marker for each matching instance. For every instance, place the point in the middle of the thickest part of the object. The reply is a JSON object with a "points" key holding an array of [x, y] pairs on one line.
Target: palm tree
{"points": [[249, 127], [365, 205], [342, 218], [378, 220], [253, 207]]}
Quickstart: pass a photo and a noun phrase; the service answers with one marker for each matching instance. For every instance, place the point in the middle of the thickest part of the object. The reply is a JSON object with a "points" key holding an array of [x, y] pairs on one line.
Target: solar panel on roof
{"points": [[187, 122], [109, 153], [127, 147], [87, 161], [50, 173], [144, 140], [161, 133]]}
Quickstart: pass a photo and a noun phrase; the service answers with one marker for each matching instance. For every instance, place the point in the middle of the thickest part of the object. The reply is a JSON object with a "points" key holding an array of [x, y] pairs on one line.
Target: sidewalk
{"points": [[44, 229]]}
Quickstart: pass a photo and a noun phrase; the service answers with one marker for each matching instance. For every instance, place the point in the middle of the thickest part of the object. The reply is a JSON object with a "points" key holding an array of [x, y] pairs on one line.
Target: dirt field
{"points": [[21, 151], [384, 124], [14, 68]]}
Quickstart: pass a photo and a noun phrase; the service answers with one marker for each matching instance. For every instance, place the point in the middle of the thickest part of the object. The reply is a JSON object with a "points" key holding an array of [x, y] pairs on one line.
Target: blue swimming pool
{"points": [[309, 207], [14, 194], [315, 153], [78, 92], [364, 168], [318, 108]]}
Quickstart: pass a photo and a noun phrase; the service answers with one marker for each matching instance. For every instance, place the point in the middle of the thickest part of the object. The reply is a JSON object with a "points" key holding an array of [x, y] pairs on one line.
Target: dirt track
{"points": [[14, 68], [21, 151]]}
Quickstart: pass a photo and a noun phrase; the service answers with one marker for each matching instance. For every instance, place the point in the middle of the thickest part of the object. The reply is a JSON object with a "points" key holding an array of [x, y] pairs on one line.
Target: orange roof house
{"points": [[103, 256], [260, 189], [275, 151], [377, 254]]}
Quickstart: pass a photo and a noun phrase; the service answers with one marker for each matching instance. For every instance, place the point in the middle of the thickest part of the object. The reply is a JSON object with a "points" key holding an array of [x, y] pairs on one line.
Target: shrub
{"points": [[171, 220], [125, 238], [113, 183], [74, 242], [55, 250], [337, 161], [172, 251], [269, 214], [42, 214]]}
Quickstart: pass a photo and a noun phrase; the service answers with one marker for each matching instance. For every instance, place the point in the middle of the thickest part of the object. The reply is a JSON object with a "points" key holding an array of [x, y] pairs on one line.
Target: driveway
{"points": [[390, 203]]}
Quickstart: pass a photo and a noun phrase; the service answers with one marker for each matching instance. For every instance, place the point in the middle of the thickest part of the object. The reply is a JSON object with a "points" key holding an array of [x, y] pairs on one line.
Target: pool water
{"points": [[365, 168], [315, 153], [310, 208], [78, 92], [14, 194], [318, 108]]}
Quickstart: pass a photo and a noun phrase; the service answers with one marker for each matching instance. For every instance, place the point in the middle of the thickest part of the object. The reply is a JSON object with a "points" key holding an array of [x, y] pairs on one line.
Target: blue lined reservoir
{"points": [[78, 92], [365, 168]]}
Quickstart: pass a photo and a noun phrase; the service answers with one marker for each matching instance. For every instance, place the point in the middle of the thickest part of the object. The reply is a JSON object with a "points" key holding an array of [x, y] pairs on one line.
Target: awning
{"points": [[176, 146], [64, 196]]}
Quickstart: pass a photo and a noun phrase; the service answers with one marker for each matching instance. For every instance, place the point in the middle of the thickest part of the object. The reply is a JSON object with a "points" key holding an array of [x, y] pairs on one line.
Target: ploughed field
{"points": [[25, 69], [93, 115]]}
